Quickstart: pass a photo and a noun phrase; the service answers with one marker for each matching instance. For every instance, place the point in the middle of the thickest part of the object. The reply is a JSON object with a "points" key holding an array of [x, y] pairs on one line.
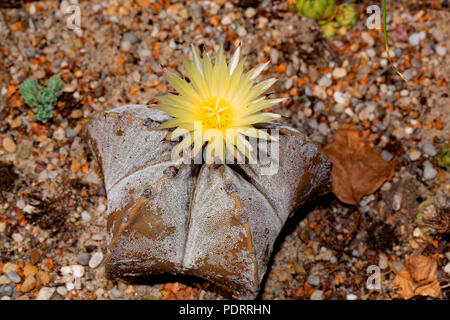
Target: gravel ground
{"points": [[53, 204]]}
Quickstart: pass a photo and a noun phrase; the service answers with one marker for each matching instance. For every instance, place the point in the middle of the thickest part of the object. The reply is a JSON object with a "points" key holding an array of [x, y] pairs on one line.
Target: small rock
{"points": [[96, 259], [382, 263], [28, 284], [250, 12], [415, 38], [386, 155], [61, 291], [351, 296], [83, 259], [367, 38], [4, 280], [45, 293], [76, 114], [59, 134], [8, 267], [77, 270], [339, 73], [85, 216], [43, 277], [117, 293], [313, 280], [414, 155], [325, 82], [447, 268], [442, 51], [226, 20], [131, 37], [9, 145], [35, 257], [7, 290], [429, 149], [429, 172], [29, 270], [14, 277], [317, 295]]}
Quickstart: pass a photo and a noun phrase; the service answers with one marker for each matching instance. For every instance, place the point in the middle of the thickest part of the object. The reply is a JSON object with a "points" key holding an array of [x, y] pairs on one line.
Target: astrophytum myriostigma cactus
{"points": [[214, 220]]}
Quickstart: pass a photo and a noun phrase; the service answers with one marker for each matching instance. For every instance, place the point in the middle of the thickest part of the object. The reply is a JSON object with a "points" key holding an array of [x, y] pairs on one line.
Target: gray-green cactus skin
{"points": [[216, 222]]}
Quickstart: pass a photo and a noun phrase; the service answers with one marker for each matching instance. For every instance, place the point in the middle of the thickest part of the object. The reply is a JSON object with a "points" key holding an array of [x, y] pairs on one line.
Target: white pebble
{"points": [[96, 259]]}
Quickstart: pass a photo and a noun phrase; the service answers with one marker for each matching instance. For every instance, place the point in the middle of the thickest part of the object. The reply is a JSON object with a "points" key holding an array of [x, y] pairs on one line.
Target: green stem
{"points": [[385, 27]]}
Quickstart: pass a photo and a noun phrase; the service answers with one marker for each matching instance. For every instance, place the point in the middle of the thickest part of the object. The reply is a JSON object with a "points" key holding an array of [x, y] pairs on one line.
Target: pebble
{"points": [[382, 263], [83, 259], [428, 148], [61, 291], [319, 107], [429, 172], [414, 155], [45, 293], [8, 267], [117, 293], [4, 280], [43, 277], [250, 12], [339, 73], [28, 284], [386, 155], [317, 295], [241, 31], [29, 270], [415, 38], [14, 277], [85, 216], [226, 20], [130, 37], [325, 82], [59, 134], [9, 145], [447, 268], [96, 259], [367, 38], [6, 290], [351, 296], [441, 50], [77, 270], [313, 280]]}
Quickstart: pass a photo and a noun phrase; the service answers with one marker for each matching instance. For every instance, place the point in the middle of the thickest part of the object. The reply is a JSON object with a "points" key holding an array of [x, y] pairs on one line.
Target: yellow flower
{"points": [[218, 107]]}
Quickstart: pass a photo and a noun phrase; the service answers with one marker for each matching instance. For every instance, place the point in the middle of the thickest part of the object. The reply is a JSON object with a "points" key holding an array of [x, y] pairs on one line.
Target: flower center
{"points": [[216, 113]]}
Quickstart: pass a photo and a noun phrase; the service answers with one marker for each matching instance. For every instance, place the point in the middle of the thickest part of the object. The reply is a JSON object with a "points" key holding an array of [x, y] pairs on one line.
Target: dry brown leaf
{"points": [[420, 278], [405, 285], [358, 169], [13, 98]]}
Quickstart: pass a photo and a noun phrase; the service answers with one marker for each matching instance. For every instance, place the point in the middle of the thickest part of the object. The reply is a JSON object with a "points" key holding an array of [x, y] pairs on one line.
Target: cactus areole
{"points": [[213, 220]]}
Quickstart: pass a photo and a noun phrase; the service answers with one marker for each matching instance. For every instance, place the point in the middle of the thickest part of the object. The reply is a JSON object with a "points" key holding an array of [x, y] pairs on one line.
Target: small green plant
{"points": [[444, 159], [328, 14], [42, 101]]}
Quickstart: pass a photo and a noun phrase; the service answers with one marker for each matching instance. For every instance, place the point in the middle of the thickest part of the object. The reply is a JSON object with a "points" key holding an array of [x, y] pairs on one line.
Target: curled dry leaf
{"points": [[13, 98], [420, 278], [358, 169]]}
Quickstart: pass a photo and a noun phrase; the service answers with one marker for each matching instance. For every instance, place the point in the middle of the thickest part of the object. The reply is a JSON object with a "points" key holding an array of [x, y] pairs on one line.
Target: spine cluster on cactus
{"points": [[328, 14], [42, 101]]}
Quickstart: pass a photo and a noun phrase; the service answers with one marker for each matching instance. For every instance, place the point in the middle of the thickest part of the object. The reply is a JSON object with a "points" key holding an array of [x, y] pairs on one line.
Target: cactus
{"points": [[42, 101], [444, 159], [326, 12], [328, 30], [217, 222], [347, 15], [316, 9]]}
